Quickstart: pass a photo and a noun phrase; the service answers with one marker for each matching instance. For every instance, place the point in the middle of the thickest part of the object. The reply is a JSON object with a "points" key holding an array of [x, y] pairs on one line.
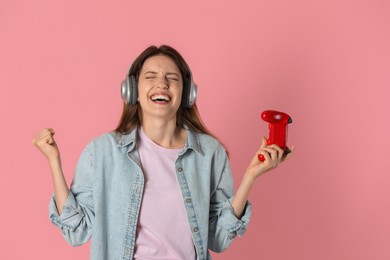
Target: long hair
{"points": [[190, 117]]}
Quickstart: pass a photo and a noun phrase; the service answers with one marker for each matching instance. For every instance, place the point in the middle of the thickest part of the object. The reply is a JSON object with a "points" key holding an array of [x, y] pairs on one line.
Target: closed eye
{"points": [[173, 76], [150, 75]]}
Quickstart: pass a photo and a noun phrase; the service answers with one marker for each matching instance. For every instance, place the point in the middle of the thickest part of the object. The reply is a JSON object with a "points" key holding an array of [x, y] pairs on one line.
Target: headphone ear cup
{"points": [[129, 91], [192, 94], [134, 90]]}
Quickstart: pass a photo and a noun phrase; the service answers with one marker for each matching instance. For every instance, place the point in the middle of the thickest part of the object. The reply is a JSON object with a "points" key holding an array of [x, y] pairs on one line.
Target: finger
{"points": [[267, 157], [47, 131], [39, 136], [44, 138], [263, 142], [255, 159], [51, 131], [50, 140], [278, 149], [42, 133], [272, 152], [269, 162]]}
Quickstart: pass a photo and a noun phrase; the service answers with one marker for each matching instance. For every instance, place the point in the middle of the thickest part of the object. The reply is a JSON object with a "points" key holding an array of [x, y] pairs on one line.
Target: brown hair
{"points": [[190, 117]]}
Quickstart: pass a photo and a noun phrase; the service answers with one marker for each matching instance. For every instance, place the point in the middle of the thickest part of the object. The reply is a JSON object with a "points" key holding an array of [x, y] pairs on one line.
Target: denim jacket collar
{"points": [[130, 140]]}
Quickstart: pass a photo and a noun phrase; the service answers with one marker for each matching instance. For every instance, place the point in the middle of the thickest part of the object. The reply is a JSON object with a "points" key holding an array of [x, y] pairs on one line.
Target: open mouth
{"points": [[158, 98]]}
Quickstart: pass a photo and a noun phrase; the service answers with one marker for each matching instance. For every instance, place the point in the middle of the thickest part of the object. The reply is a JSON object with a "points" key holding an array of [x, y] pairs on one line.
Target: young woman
{"points": [[159, 186]]}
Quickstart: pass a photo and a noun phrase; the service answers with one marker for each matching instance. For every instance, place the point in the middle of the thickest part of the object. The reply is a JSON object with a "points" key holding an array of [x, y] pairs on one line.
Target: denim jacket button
{"points": [[188, 200], [179, 169], [195, 229], [232, 235]]}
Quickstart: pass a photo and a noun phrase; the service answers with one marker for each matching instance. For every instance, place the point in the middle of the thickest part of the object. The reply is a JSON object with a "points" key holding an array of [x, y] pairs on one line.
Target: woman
{"points": [[160, 185]]}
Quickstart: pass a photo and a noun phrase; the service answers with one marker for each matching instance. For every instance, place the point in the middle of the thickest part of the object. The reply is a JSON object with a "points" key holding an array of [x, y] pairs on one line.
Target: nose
{"points": [[162, 82]]}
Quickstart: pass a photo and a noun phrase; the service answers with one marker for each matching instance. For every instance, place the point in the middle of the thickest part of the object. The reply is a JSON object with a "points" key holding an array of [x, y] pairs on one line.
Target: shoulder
{"points": [[208, 141], [205, 143], [104, 141], [110, 137], [115, 139]]}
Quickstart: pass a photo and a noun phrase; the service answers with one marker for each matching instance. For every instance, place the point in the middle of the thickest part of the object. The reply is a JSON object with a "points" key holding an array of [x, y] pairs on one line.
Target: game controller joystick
{"points": [[278, 122]]}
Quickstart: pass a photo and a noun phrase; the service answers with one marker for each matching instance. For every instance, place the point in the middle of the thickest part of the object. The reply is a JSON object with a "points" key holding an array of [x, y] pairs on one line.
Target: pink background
{"points": [[327, 63]]}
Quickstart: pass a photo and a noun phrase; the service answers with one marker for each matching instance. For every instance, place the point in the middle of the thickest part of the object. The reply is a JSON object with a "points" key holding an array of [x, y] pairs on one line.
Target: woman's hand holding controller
{"points": [[273, 154]]}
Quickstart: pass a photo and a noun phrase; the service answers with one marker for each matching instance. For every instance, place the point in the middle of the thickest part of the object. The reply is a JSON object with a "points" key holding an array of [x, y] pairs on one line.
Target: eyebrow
{"points": [[153, 72]]}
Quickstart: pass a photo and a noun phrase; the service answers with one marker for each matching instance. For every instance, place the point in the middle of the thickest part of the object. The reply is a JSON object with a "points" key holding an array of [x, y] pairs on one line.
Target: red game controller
{"points": [[278, 122]]}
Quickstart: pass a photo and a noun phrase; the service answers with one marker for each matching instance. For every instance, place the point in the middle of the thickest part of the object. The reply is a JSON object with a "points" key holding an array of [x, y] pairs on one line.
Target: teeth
{"points": [[160, 97]]}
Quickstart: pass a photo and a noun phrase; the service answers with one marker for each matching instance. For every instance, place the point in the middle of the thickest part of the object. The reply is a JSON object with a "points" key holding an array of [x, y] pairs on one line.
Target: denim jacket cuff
{"points": [[234, 224], [70, 216]]}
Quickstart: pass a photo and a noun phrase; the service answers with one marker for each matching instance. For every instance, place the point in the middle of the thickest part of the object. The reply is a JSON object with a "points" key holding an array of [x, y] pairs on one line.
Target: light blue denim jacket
{"points": [[107, 188]]}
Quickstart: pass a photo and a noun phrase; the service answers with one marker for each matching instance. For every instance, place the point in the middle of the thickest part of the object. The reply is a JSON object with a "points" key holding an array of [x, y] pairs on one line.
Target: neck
{"points": [[165, 133]]}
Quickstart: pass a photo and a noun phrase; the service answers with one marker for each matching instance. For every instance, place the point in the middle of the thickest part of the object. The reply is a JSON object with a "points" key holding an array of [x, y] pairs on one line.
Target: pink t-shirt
{"points": [[163, 230]]}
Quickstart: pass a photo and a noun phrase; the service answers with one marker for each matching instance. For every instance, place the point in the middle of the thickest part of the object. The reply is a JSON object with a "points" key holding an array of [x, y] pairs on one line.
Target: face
{"points": [[160, 87]]}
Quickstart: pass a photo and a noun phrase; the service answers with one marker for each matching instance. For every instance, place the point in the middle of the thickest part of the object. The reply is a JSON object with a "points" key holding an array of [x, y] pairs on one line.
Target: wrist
{"points": [[249, 178], [54, 161], [247, 181]]}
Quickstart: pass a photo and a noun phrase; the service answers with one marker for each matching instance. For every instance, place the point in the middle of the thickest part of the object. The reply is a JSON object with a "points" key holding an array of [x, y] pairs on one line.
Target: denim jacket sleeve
{"points": [[77, 215], [224, 226]]}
